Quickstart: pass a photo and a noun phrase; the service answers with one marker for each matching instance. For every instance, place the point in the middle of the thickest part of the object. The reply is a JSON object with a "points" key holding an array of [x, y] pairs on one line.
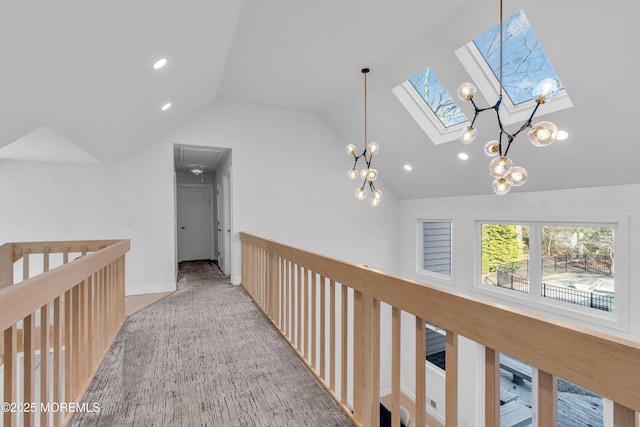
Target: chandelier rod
{"points": [[501, 88], [365, 71]]}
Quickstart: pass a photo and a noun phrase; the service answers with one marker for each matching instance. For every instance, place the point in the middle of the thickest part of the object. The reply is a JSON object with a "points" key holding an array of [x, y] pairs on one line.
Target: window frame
{"points": [[618, 319], [427, 275]]}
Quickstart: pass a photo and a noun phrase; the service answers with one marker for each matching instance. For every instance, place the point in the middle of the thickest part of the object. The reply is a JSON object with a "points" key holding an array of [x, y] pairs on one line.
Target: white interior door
{"points": [[195, 219]]}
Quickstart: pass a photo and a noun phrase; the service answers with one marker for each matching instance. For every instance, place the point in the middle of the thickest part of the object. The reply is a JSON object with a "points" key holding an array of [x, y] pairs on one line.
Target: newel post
{"points": [[6, 265]]}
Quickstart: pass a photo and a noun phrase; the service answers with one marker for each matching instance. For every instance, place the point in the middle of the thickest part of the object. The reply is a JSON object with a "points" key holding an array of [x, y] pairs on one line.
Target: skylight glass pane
{"points": [[525, 62], [437, 98]]}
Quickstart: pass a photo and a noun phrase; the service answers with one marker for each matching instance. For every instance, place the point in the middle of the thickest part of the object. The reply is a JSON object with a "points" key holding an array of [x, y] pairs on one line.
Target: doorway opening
{"points": [[203, 228]]}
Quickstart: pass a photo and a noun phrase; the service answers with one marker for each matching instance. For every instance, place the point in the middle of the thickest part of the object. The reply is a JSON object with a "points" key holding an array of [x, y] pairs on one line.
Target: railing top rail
{"points": [[19, 300], [599, 362], [18, 248]]}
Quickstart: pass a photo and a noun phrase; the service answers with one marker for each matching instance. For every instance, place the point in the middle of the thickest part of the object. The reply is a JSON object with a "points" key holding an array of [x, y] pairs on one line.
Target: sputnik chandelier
{"points": [[501, 167], [367, 174]]}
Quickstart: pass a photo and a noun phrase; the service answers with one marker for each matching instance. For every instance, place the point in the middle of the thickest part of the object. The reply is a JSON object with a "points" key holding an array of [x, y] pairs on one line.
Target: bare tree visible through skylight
{"points": [[437, 98], [525, 62]]}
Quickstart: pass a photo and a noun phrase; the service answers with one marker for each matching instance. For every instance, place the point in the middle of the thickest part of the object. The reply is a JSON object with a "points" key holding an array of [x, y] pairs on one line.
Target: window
{"points": [[436, 247], [431, 106], [505, 256], [436, 96], [525, 63], [579, 267]]}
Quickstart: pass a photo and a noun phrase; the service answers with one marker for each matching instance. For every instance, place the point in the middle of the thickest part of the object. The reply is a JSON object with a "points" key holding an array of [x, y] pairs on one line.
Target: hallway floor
{"points": [[205, 356]]}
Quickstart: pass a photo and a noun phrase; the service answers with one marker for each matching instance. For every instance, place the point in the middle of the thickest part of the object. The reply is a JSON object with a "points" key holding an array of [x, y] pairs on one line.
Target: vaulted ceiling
{"points": [[77, 72]]}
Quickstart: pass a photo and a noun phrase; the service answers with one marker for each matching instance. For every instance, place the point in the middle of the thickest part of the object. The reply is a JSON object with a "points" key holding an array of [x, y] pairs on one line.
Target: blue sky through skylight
{"points": [[437, 98], [525, 62]]}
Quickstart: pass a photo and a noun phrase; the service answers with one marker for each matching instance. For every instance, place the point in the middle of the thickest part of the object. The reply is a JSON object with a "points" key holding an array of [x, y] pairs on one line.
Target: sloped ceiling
{"points": [[82, 70]]}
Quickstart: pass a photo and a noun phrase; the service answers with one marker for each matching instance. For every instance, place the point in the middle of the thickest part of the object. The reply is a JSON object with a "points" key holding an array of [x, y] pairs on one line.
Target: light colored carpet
{"points": [[205, 356]]}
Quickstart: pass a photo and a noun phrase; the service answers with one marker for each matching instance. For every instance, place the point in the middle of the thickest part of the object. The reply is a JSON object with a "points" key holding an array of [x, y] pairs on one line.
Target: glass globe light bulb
{"points": [[516, 176], [466, 91], [499, 166], [353, 173], [363, 173], [373, 148], [500, 186], [545, 90], [374, 202], [370, 174], [492, 148], [468, 135], [361, 193], [351, 149], [543, 134], [377, 194]]}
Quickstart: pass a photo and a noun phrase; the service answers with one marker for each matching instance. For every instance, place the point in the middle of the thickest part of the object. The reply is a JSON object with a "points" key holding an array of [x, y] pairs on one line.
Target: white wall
{"points": [[576, 204], [289, 184]]}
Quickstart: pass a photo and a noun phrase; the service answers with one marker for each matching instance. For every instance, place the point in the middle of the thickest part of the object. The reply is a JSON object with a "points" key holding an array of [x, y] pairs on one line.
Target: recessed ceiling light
{"points": [[159, 63], [166, 106], [408, 167], [562, 135], [463, 156]]}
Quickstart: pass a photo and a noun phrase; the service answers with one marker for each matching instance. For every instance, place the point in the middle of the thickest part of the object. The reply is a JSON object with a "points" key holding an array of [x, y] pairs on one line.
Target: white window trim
{"points": [[487, 84], [617, 320], [424, 116], [427, 276]]}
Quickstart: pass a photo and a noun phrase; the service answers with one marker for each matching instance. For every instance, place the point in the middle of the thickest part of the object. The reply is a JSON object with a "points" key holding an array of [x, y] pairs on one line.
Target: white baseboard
{"points": [[236, 280], [149, 288]]}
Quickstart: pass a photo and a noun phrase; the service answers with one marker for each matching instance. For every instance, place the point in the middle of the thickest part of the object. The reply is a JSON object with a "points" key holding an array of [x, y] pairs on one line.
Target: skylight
{"points": [[436, 96], [525, 62]]}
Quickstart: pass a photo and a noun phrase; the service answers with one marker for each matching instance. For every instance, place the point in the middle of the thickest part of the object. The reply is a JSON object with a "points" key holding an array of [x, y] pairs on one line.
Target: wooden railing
{"points": [[57, 324], [307, 296]]}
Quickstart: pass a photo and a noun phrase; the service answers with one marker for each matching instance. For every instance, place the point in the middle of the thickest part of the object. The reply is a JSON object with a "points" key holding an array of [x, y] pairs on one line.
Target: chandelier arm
{"points": [[511, 138]]}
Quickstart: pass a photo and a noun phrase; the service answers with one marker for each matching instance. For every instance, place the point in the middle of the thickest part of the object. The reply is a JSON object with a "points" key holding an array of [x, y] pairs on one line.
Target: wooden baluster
{"points": [[10, 393], [45, 259], [287, 305], [491, 387], [323, 295], [28, 328], [57, 357], [44, 360], [375, 353], [29, 367], [281, 282], [363, 357], [344, 349], [421, 359], [451, 380], [313, 320], [396, 316], [305, 287], [75, 358], [68, 345], [301, 283], [90, 326], [623, 416], [547, 399], [332, 334]]}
